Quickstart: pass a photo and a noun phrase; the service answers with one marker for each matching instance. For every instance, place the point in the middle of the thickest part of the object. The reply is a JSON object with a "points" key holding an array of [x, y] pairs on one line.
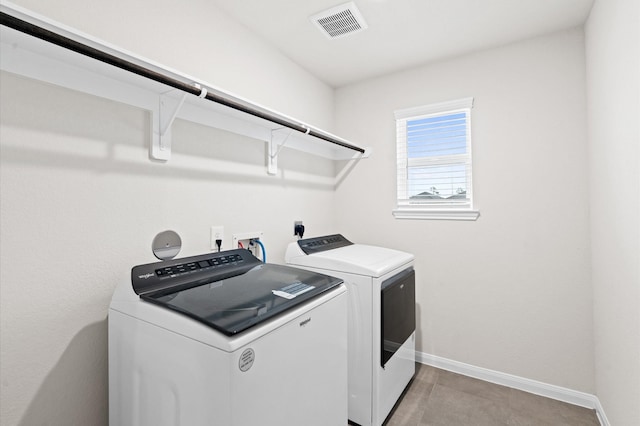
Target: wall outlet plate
{"points": [[217, 233]]}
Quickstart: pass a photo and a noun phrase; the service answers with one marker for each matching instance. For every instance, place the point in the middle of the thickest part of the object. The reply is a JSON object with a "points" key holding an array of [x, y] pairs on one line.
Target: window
{"points": [[434, 162]]}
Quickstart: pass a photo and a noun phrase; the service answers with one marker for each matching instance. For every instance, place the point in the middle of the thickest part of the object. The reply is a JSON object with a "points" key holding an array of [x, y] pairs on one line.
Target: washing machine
{"points": [[381, 318], [224, 339]]}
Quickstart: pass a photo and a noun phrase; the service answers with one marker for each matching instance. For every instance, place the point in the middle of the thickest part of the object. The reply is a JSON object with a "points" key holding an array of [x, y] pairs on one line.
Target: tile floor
{"points": [[439, 397]]}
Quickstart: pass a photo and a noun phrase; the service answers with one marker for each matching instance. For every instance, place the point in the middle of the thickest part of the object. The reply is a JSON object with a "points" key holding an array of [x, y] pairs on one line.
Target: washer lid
{"points": [[235, 296], [358, 259]]}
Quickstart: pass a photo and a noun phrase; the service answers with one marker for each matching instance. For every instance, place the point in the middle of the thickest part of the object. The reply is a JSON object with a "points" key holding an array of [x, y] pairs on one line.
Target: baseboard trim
{"points": [[600, 412], [527, 385]]}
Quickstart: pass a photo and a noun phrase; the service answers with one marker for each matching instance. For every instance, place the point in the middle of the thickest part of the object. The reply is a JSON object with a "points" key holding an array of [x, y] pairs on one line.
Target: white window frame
{"points": [[432, 209]]}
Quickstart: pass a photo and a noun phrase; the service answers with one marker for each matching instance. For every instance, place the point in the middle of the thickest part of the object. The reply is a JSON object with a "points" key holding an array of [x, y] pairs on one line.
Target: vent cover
{"points": [[340, 21]]}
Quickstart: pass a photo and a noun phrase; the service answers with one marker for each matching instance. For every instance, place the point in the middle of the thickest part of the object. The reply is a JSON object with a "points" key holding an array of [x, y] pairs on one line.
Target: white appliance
{"points": [[223, 339], [381, 318]]}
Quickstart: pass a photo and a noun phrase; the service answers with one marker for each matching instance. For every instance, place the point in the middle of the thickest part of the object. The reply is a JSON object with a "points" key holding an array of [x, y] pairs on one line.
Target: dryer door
{"points": [[398, 312]]}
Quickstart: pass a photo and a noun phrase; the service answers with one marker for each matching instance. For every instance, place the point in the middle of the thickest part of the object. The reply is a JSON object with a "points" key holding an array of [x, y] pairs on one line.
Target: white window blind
{"points": [[434, 161]]}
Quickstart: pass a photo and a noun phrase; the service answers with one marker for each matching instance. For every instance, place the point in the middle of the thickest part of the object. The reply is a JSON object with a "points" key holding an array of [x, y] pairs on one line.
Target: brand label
{"points": [[145, 276], [246, 359], [305, 322]]}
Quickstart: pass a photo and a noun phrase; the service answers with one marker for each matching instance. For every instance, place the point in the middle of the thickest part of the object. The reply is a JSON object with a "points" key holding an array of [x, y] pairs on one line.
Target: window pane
{"points": [[437, 182], [439, 135]]}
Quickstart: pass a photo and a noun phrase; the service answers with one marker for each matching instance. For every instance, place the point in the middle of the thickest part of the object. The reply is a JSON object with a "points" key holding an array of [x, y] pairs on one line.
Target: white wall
{"points": [[510, 292], [80, 202], [613, 74]]}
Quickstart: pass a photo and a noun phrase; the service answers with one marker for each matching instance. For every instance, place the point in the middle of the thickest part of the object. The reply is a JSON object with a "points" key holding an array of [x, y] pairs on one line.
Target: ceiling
{"points": [[401, 33]]}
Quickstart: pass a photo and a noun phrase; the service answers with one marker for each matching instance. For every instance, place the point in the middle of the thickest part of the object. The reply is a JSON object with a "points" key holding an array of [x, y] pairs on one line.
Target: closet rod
{"points": [[67, 43]]}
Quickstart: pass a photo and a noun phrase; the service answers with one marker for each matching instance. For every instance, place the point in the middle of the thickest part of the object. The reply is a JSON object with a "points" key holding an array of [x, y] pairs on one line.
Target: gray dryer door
{"points": [[398, 312]]}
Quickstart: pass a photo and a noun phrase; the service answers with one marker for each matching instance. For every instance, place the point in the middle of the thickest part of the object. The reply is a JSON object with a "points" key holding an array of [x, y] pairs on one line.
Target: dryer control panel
{"points": [[318, 244]]}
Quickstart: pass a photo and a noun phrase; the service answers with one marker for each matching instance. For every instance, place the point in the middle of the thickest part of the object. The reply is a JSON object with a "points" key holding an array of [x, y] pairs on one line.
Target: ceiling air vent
{"points": [[340, 21]]}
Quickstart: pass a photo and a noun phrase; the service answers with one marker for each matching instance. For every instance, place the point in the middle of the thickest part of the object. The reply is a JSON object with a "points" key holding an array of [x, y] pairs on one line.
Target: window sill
{"points": [[432, 214]]}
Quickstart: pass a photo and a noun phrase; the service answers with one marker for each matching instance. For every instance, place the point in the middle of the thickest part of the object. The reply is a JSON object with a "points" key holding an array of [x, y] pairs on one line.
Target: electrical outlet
{"points": [[217, 233]]}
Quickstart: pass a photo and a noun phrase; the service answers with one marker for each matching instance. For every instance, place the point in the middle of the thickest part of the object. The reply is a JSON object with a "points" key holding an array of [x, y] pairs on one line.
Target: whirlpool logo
{"points": [[145, 276], [305, 322]]}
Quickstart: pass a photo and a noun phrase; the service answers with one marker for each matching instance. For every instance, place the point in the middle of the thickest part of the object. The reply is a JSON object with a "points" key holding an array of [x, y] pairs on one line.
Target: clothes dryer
{"points": [[381, 318]]}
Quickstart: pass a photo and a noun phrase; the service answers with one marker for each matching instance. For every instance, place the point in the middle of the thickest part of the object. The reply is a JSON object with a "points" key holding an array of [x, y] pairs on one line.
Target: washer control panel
{"points": [[185, 268], [191, 271]]}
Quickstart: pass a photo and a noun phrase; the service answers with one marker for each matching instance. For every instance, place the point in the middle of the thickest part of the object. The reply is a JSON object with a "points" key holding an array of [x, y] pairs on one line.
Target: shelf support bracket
{"points": [[276, 143], [161, 121]]}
